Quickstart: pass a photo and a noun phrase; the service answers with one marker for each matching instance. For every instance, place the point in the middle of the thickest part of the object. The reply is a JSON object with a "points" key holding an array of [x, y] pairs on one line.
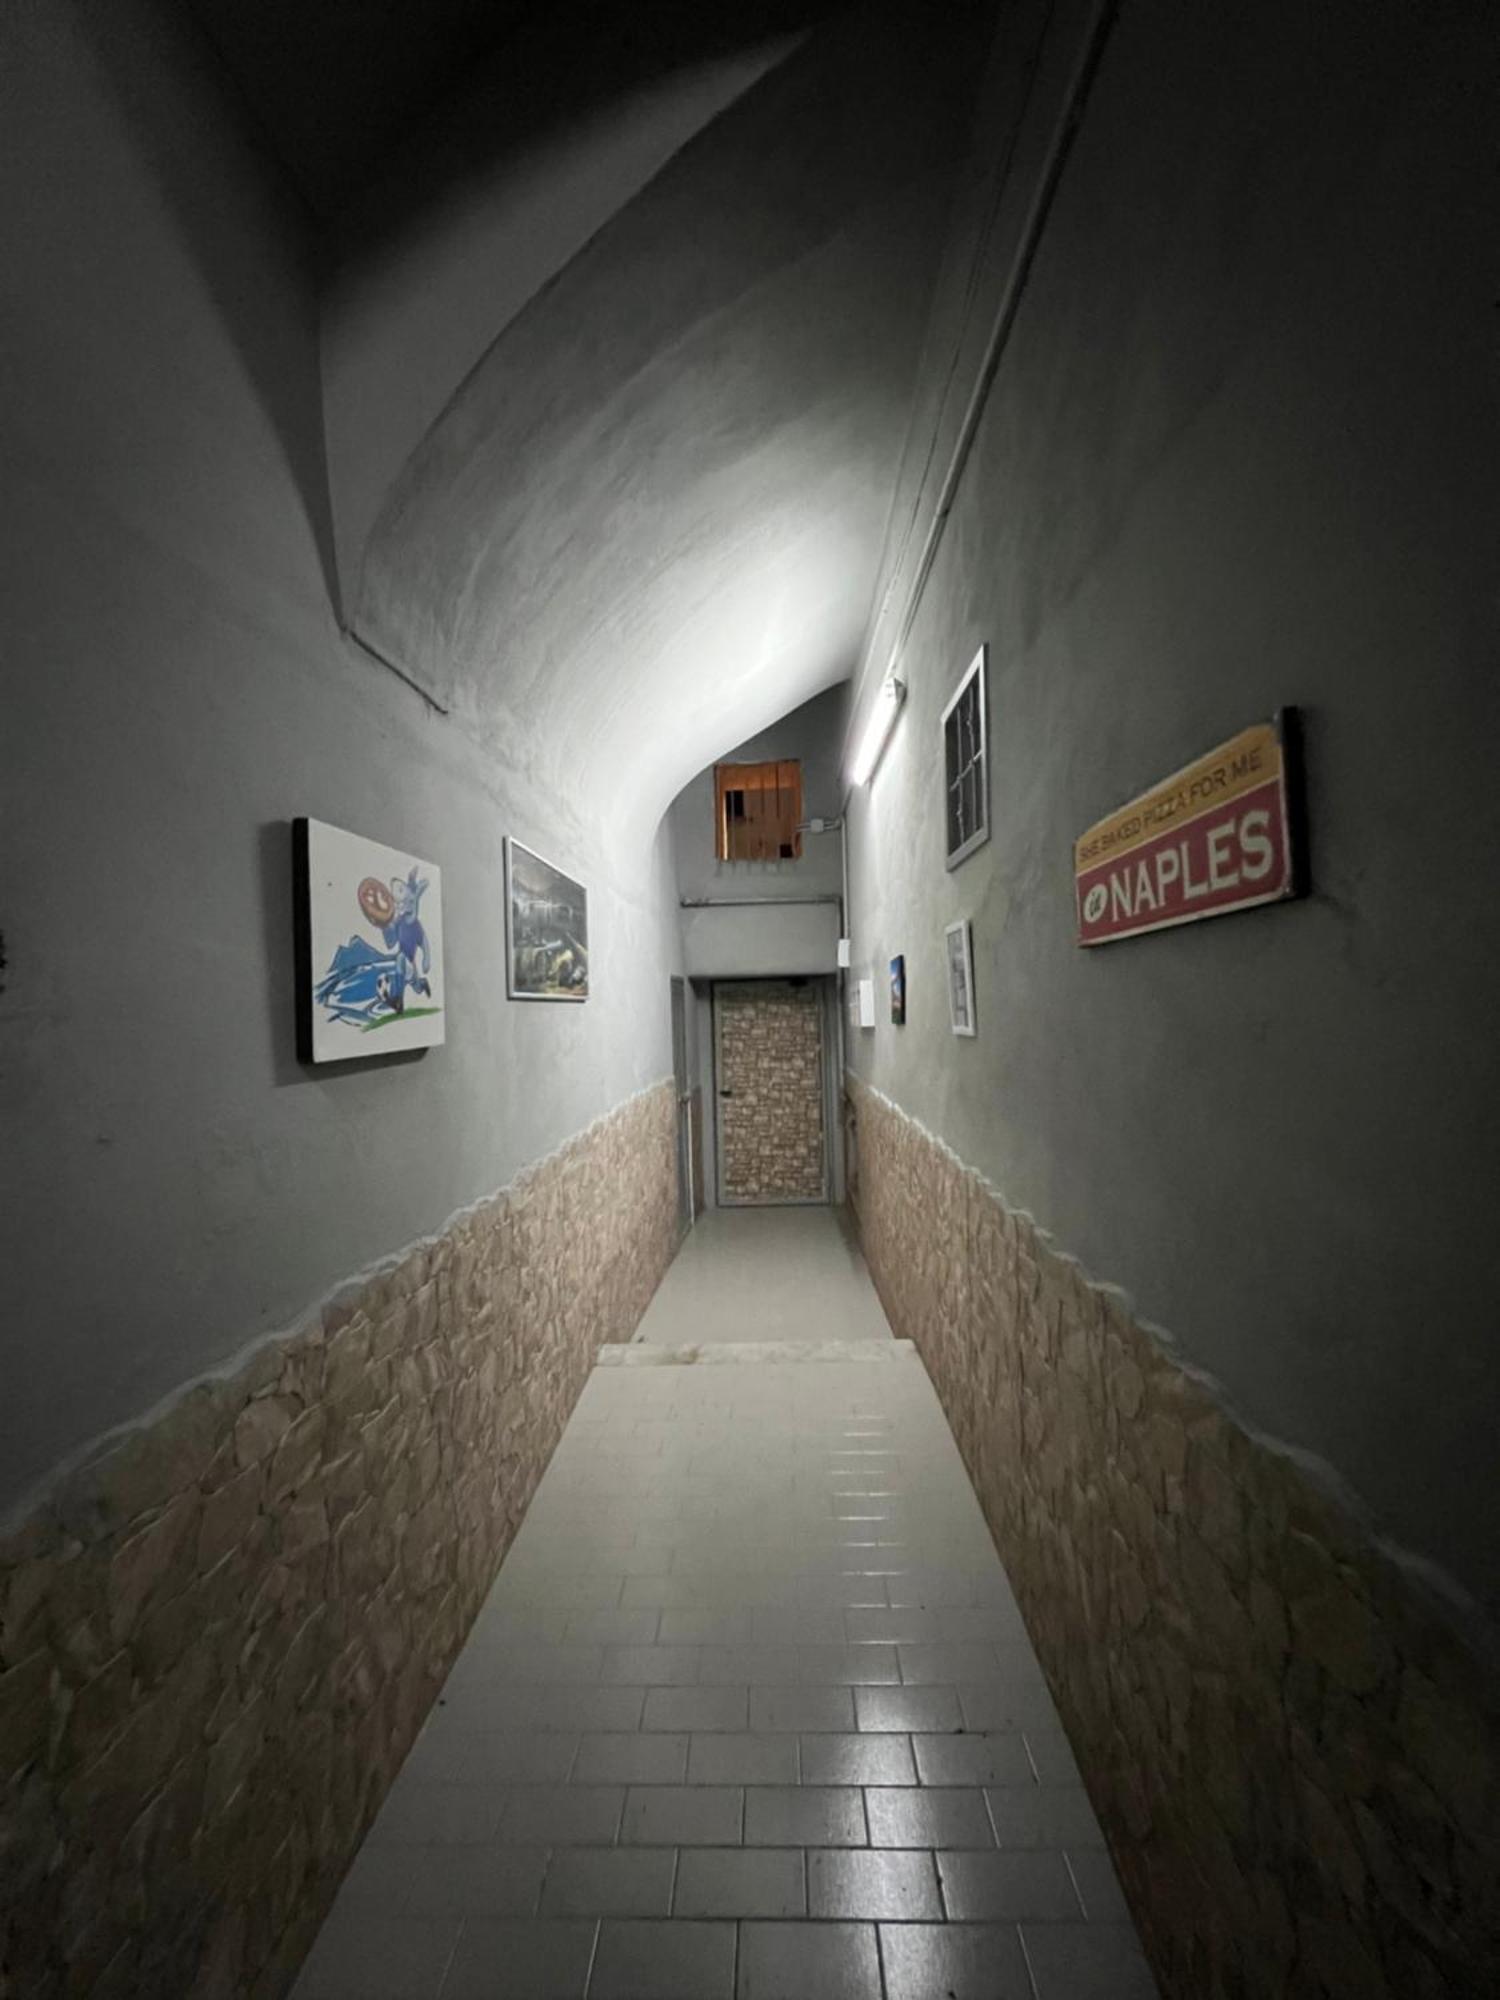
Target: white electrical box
{"points": [[844, 959]]}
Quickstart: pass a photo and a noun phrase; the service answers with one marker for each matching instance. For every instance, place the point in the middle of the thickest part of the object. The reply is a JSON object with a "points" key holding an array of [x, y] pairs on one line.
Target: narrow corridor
{"points": [[615, 615], [750, 1713], [753, 1274]]}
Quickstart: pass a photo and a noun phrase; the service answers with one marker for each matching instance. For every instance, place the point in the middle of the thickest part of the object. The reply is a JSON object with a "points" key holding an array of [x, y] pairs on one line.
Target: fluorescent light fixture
{"points": [[882, 722]]}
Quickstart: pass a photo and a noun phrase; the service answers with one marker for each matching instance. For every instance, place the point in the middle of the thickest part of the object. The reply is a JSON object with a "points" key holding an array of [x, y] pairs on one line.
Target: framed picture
{"points": [[898, 991], [959, 944], [369, 946], [546, 929], [966, 777]]}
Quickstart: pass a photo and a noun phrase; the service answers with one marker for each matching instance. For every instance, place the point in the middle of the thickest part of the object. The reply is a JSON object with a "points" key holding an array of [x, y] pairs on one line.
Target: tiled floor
{"points": [[750, 1715], [766, 1274]]}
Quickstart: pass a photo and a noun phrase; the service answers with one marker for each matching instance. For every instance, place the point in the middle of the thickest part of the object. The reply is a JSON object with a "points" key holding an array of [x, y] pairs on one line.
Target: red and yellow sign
{"points": [[1216, 836]]}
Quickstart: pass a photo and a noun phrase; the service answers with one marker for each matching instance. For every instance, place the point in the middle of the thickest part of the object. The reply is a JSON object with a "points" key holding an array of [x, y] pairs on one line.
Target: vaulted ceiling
{"points": [[341, 86], [622, 310]]}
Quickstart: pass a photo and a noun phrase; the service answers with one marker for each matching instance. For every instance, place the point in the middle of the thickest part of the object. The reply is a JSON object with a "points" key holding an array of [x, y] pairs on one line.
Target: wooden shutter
{"points": [[757, 808]]}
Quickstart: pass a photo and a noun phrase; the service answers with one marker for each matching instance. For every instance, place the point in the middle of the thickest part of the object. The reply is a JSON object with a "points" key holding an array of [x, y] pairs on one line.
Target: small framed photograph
{"points": [[898, 991], [546, 929], [959, 944]]}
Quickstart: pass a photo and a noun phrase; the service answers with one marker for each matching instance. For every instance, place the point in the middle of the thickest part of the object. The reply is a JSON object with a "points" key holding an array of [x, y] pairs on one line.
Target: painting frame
{"points": [[958, 952], [368, 921], [563, 954], [898, 990]]}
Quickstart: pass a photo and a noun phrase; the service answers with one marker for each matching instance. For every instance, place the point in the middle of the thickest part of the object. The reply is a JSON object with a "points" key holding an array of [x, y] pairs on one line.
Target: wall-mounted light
{"points": [[882, 722]]}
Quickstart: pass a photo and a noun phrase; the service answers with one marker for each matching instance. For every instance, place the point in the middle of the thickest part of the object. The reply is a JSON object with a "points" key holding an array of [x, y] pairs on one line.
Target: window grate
{"points": [[965, 766], [757, 811]]}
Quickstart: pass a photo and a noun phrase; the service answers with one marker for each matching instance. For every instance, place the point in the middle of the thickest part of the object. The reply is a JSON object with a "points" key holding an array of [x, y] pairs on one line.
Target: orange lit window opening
{"points": [[757, 810]]}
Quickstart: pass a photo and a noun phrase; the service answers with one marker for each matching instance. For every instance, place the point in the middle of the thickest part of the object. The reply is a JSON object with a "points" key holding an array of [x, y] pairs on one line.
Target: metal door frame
{"points": [[778, 1201], [682, 1090]]}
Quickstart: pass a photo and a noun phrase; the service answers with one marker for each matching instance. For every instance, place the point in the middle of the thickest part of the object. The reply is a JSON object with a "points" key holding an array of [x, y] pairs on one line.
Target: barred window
{"points": [[757, 811], [965, 765]]}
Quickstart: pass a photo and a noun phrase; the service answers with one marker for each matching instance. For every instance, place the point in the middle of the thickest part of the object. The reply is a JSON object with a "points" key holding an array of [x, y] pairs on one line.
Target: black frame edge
{"points": [[1294, 767], [302, 921]]}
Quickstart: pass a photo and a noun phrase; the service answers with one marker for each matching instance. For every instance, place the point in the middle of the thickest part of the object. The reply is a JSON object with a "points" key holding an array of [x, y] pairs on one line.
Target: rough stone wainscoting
{"points": [[218, 1637], [1293, 1751]]}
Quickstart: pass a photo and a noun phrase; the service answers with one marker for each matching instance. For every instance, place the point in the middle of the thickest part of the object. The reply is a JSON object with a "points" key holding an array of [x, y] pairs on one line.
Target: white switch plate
{"points": [[867, 1003]]}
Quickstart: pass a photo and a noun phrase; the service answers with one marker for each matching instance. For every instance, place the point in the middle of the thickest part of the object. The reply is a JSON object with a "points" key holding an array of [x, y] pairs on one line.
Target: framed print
{"points": [[966, 774], [369, 946], [546, 929], [959, 945], [898, 991]]}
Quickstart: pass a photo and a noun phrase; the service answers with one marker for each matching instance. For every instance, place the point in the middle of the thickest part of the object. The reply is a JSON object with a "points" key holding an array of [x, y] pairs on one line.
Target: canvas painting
{"points": [[371, 947], [546, 929], [898, 991], [959, 945]]}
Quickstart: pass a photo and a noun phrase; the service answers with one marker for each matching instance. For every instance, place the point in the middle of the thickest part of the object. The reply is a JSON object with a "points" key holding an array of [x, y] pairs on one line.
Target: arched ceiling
{"points": [[341, 88], [612, 456]]}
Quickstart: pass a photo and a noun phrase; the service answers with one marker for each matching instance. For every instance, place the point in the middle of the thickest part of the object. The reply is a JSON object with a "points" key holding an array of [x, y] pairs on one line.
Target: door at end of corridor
{"points": [[770, 1089]]}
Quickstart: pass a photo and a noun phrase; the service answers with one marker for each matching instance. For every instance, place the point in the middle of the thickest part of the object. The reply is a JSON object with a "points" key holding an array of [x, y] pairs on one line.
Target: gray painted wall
{"points": [[740, 943], [745, 944], [1240, 451], [176, 691]]}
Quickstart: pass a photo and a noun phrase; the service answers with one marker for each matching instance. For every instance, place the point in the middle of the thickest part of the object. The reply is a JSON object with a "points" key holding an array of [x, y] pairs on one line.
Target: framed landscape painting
{"points": [[898, 991], [546, 929], [369, 946]]}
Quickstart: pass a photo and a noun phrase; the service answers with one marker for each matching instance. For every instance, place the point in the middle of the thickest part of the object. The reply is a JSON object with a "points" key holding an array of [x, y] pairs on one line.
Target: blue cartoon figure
{"points": [[365, 986], [402, 929]]}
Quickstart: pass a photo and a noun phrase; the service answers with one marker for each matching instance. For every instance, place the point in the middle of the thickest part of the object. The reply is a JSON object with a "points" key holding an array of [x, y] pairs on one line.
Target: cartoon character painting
{"points": [[361, 984], [369, 986]]}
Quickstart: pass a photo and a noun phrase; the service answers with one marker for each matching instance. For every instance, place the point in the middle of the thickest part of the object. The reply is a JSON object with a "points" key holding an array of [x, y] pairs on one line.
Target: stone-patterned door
{"points": [[768, 1051]]}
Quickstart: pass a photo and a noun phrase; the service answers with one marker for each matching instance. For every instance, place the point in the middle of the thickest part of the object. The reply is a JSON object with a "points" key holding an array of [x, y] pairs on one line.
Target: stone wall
{"points": [[770, 1052], [1294, 1751], [219, 1635]]}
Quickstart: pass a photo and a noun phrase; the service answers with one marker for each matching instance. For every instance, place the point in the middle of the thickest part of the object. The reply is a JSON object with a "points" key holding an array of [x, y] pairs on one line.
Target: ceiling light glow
{"points": [[877, 730]]}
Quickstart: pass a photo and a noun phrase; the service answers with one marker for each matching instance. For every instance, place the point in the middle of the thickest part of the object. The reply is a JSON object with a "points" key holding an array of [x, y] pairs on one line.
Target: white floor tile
{"points": [[609, 1882], [664, 1961], [639, 1757], [753, 1635], [532, 1959], [683, 1816], [873, 1883], [741, 1882], [748, 1757]]}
